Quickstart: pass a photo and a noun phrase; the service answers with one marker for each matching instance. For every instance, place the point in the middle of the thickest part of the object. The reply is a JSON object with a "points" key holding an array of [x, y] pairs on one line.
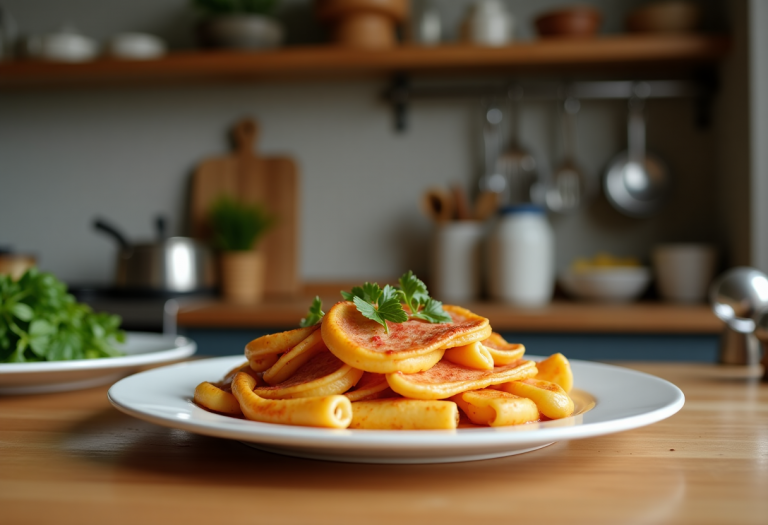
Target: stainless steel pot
{"points": [[170, 264]]}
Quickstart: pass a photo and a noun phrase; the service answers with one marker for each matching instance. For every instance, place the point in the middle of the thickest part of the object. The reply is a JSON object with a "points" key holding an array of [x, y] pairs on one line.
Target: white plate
{"points": [[610, 399], [141, 348]]}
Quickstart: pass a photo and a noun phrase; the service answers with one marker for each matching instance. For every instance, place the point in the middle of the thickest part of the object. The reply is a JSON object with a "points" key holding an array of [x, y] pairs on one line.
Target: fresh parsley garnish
{"points": [[370, 293], [377, 304], [315, 313], [386, 304]]}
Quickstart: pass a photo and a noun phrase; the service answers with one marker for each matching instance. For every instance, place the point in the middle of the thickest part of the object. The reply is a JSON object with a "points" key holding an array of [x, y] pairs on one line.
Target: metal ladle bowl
{"points": [[636, 182]]}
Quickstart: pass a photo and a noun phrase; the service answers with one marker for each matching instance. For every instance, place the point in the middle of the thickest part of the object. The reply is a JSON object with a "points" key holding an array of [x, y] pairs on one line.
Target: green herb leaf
{"points": [[369, 292], [433, 312], [377, 304], [414, 291], [40, 321], [22, 312], [382, 305], [417, 299], [315, 313], [388, 308]]}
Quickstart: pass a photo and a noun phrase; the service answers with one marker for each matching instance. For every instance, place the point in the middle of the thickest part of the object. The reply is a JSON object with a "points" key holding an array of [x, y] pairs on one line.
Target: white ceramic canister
{"points": [[455, 261], [488, 24], [521, 257]]}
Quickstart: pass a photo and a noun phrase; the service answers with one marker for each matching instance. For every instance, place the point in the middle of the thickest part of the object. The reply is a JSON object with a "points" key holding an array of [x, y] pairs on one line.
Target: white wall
{"points": [[126, 153]]}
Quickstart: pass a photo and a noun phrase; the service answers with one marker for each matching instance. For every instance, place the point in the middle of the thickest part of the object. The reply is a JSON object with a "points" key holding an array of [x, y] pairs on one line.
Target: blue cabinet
{"points": [[593, 347]]}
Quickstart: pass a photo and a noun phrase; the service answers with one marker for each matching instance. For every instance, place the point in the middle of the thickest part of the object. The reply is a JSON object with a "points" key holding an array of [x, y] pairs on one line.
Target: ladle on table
{"points": [[739, 297]]}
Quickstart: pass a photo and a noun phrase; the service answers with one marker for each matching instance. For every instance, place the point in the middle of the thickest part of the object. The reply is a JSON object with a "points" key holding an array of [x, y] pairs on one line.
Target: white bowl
{"points": [[136, 46], [609, 284]]}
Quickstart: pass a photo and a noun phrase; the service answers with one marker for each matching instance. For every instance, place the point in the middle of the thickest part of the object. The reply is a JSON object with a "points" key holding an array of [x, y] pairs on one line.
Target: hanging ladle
{"points": [[636, 181], [566, 192]]}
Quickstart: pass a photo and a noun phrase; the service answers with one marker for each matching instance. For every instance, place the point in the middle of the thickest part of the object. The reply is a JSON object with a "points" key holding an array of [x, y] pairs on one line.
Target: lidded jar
{"points": [[521, 256]]}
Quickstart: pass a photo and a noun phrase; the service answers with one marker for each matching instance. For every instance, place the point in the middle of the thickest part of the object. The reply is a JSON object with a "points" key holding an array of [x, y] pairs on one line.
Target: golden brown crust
{"points": [[364, 344], [446, 379]]}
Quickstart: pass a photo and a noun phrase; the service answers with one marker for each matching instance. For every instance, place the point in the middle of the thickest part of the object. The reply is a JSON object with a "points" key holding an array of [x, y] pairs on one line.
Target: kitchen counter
{"points": [[559, 316], [73, 457]]}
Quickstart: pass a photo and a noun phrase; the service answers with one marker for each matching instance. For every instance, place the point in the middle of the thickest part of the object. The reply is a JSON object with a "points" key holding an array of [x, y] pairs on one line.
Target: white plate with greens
{"points": [[140, 349], [608, 399]]}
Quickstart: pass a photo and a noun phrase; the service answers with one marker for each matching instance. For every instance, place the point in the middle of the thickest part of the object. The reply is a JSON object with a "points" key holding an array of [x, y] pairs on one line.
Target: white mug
{"points": [[684, 271], [455, 262]]}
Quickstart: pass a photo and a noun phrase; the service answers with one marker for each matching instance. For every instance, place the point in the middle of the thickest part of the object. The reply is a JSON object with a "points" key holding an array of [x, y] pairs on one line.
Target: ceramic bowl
{"points": [[570, 22], [609, 284], [247, 32], [670, 16]]}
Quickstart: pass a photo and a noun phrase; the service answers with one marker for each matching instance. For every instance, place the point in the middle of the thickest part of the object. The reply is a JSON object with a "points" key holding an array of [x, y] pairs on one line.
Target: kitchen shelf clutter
{"points": [[679, 52]]}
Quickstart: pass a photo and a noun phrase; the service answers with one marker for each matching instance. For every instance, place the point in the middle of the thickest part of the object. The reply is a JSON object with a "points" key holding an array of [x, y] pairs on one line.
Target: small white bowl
{"points": [[136, 46], [609, 284]]}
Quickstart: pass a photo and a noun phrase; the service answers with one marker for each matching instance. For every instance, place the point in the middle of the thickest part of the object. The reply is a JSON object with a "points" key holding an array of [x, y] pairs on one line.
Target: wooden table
{"points": [[72, 458]]}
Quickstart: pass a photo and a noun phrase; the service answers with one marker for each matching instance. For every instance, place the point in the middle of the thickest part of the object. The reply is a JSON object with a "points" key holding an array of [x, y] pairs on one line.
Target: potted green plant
{"points": [[237, 228], [239, 24]]}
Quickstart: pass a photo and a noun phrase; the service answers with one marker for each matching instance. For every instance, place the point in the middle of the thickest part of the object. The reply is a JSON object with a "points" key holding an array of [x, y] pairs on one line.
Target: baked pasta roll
{"points": [[503, 352], [474, 355], [496, 408], [551, 399], [210, 396], [268, 347], [290, 361], [327, 411], [556, 369], [404, 414], [323, 375]]}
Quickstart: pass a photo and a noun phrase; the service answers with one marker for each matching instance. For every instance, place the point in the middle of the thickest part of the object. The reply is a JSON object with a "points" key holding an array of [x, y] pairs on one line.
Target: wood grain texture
{"points": [[625, 51], [250, 178], [73, 457], [559, 316]]}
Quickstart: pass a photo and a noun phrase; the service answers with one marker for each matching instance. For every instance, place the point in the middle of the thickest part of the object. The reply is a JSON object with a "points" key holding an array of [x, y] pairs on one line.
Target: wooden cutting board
{"points": [[247, 177]]}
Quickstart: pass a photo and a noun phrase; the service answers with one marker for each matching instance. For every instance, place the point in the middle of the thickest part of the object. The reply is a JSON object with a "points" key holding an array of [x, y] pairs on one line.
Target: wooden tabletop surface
{"points": [[72, 458]]}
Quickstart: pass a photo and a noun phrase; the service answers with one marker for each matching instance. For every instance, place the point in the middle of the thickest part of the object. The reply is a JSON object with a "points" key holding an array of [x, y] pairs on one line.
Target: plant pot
{"points": [[242, 276], [247, 32]]}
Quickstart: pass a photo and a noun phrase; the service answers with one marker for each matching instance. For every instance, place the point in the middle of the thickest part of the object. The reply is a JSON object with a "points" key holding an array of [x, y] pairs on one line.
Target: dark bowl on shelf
{"points": [[569, 22]]}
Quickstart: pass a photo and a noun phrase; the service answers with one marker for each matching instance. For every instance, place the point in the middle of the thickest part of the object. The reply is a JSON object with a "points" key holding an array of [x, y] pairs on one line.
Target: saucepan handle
{"points": [[104, 226]]}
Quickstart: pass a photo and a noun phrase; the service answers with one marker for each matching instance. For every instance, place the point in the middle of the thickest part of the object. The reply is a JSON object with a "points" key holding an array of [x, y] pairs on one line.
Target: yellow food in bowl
{"points": [[604, 260]]}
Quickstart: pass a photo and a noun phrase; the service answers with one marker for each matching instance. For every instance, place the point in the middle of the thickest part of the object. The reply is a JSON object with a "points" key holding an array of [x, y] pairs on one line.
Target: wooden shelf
{"points": [[625, 51], [558, 317]]}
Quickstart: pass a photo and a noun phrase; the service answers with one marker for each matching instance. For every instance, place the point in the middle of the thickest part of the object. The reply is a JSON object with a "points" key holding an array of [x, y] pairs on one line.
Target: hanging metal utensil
{"points": [[492, 180], [565, 193], [636, 182], [516, 164]]}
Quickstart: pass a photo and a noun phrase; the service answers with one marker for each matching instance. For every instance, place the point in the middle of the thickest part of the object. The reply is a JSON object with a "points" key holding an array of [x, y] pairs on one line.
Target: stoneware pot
{"points": [[249, 32]]}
